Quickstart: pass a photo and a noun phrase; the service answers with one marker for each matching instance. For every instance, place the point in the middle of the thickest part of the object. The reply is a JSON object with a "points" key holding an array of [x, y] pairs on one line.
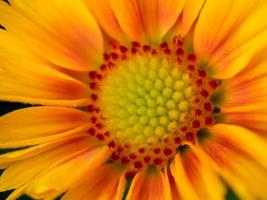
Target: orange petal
{"points": [[170, 186], [50, 185], [40, 124], [147, 185], [228, 35], [238, 154], [147, 20], [103, 13], [68, 36], [246, 96], [104, 183], [195, 178], [23, 171]]}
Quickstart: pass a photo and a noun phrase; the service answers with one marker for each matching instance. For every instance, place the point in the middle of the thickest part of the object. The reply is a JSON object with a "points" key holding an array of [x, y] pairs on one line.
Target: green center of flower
{"points": [[144, 99], [147, 101]]}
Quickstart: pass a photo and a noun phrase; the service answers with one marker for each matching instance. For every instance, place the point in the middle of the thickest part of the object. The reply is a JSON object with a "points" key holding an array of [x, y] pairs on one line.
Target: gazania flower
{"points": [[137, 99]]}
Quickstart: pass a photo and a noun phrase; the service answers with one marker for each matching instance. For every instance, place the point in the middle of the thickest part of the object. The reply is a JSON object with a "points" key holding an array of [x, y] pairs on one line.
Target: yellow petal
{"points": [[147, 185], [238, 154], [40, 124], [50, 185], [195, 178], [147, 20], [103, 183], [23, 171], [171, 192], [103, 13], [27, 79], [68, 36], [228, 35]]}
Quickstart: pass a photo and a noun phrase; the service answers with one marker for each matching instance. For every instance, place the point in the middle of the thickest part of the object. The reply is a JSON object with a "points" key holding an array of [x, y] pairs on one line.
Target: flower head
{"points": [[167, 98]]}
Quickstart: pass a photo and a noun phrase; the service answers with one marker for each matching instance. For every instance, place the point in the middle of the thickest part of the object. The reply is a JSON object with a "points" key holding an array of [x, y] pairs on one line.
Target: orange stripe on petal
{"points": [[35, 125], [235, 36], [147, 185], [238, 155], [103, 183], [195, 178], [106, 18]]}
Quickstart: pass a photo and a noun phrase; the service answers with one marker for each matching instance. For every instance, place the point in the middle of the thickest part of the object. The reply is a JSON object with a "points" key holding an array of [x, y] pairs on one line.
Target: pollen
{"points": [[147, 101]]}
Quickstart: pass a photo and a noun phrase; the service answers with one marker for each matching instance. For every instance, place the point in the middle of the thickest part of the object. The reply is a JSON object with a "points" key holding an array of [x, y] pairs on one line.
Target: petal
{"points": [[147, 20], [104, 183], [103, 13], [40, 124], [68, 35], [235, 36], [23, 171], [170, 186], [193, 177], [246, 96], [50, 185], [147, 185], [187, 18], [238, 154], [27, 79]]}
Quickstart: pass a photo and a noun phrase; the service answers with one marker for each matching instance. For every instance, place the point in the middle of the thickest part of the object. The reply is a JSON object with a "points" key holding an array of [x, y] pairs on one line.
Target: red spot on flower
{"points": [[157, 150], [119, 148], [166, 140], [189, 136], [158, 161], [179, 52], [146, 47], [191, 57], [93, 119], [204, 93], [138, 164], [114, 56], [92, 131], [123, 49], [92, 74], [213, 84], [198, 112], [94, 97], [208, 106], [133, 50], [202, 73], [196, 100], [106, 57], [90, 108], [115, 156], [103, 67], [195, 124], [177, 140], [130, 175], [147, 159], [100, 137], [111, 144], [125, 160], [93, 85], [199, 82], [141, 150], [191, 67], [183, 128], [154, 52], [167, 51], [164, 45], [132, 156], [167, 151], [208, 120], [136, 44]]}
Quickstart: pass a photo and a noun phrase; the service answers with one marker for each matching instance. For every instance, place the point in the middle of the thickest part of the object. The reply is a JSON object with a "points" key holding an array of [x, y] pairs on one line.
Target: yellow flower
{"points": [[166, 97]]}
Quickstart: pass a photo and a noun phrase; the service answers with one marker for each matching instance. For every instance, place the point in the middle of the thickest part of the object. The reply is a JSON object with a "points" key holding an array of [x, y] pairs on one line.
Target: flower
{"points": [[166, 97]]}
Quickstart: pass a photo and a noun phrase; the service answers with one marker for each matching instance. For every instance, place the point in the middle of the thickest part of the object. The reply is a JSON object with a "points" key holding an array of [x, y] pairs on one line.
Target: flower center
{"points": [[147, 101]]}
